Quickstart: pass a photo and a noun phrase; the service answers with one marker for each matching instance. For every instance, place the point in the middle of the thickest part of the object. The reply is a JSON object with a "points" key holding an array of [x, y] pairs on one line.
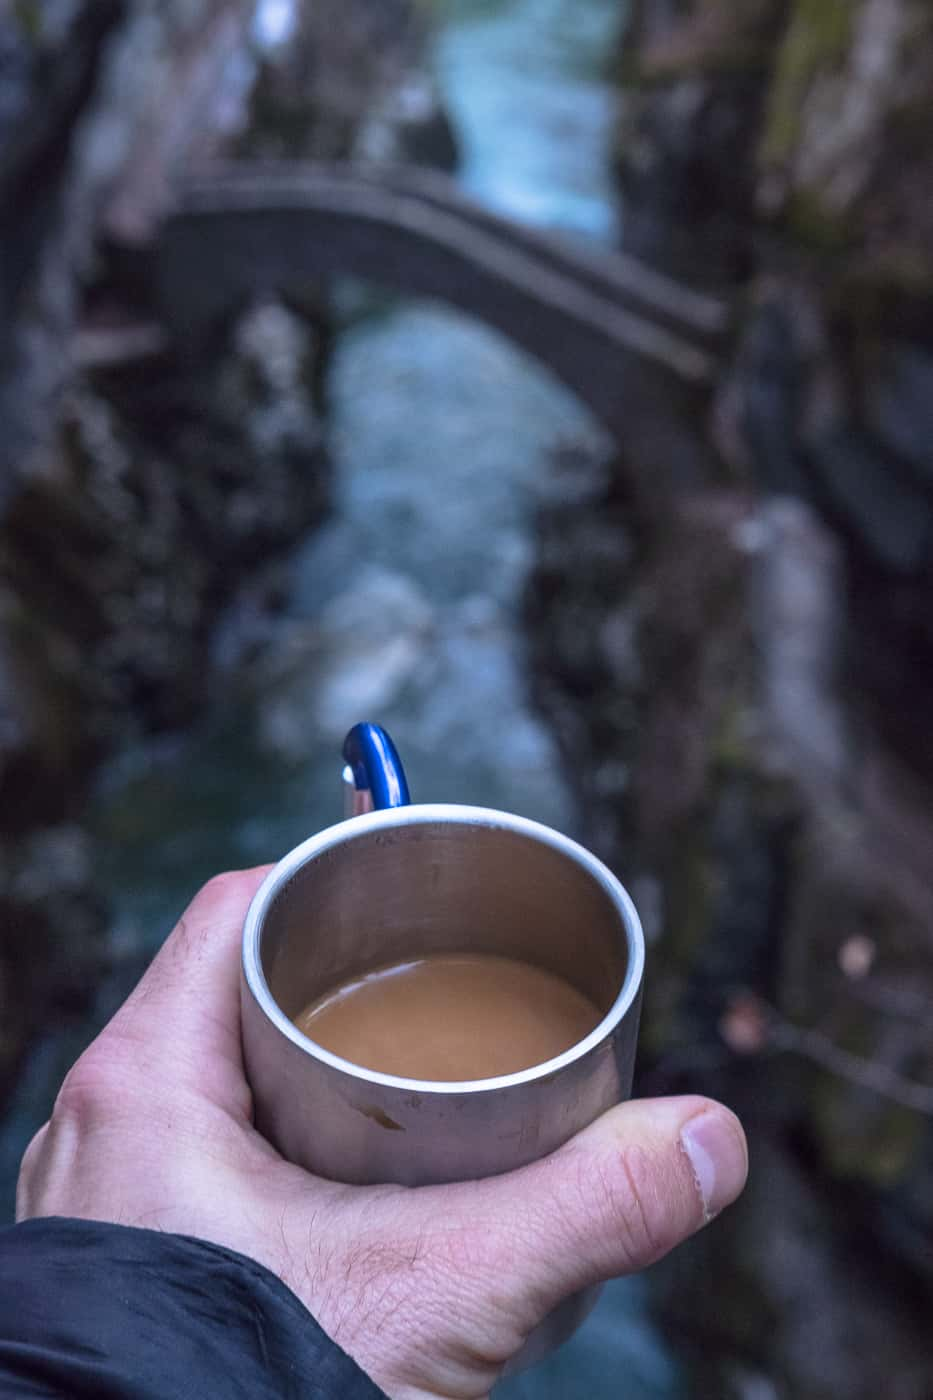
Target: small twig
{"points": [[866, 1074], [905, 1005], [112, 347]]}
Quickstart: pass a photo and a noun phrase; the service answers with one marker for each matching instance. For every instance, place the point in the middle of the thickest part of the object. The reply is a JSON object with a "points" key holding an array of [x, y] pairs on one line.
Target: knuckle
{"points": [[95, 1089], [633, 1208], [28, 1169], [228, 887], [216, 893], [224, 896], [34, 1148], [220, 885]]}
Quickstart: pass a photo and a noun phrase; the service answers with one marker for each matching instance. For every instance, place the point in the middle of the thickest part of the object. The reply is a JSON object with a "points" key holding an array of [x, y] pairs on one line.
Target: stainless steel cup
{"points": [[393, 885]]}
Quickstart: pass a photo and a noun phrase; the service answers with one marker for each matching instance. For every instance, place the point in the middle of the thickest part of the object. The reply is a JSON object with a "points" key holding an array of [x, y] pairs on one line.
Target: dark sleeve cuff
{"points": [[89, 1309]]}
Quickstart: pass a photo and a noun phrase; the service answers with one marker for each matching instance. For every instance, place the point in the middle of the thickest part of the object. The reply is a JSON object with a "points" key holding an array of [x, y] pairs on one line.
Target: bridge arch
{"points": [[589, 315]]}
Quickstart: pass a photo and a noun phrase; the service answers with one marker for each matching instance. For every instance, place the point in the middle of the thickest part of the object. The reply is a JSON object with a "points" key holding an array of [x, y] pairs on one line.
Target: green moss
{"points": [[690, 887], [816, 40], [885, 293], [878, 1147], [730, 748], [28, 16], [808, 220], [691, 891], [906, 268]]}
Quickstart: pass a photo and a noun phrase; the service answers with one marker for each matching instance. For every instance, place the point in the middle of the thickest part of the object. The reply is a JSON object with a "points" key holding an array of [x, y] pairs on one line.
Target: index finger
{"points": [[186, 1008]]}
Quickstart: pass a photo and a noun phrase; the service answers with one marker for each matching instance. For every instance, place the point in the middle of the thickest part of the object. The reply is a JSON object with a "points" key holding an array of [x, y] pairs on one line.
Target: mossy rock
{"points": [[816, 42], [27, 15], [809, 221]]}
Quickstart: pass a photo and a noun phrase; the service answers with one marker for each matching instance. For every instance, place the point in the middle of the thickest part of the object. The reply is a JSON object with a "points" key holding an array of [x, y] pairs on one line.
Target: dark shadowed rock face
{"points": [[694, 82], [698, 674], [141, 489], [744, 679], [167, 490], [52, 951], [788, 147], [137, 492], [49, 60], [350, 81]]}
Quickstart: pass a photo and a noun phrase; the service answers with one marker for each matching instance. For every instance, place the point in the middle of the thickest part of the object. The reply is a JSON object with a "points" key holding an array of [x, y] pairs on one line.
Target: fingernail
{"points": [[715, 1147]]}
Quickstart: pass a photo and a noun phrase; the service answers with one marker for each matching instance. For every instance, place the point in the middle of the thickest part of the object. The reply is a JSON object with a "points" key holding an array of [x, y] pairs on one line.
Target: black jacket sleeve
{"points": [[95, 1310]]}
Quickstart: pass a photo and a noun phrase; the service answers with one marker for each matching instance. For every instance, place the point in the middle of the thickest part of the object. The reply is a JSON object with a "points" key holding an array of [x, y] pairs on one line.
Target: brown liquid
{"points": [[451, 1016]]}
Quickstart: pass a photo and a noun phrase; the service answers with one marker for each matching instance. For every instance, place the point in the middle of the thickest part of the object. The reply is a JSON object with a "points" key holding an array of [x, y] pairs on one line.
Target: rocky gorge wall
{"points": [[743, 676], [738, 669], [143, 492]]}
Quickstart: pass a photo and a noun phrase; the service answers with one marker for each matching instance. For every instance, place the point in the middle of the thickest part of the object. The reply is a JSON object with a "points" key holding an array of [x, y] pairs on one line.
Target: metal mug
{"points": [[398, 881]]}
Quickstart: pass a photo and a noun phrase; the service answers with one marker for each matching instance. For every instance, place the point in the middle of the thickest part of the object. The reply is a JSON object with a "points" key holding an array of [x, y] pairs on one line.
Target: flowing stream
{"points": [[406, 606]]}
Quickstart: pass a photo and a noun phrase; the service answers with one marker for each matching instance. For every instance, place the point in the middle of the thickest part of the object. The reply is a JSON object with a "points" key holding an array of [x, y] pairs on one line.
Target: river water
{"points": [[406, 607]]}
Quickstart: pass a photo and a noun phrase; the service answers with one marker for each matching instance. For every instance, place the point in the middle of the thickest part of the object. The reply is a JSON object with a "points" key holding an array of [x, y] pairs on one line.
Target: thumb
{"points": [[615, 1198]]}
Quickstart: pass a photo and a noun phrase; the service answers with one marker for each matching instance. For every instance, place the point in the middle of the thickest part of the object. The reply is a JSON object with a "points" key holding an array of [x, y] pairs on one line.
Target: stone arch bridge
{"points": [[591, 315]]}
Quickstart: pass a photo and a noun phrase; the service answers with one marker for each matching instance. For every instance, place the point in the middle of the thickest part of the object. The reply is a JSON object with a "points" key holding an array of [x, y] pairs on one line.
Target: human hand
{"points": [[431, 1289]]}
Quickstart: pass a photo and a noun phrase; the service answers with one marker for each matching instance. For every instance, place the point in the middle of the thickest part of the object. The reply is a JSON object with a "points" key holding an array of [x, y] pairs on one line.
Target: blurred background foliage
{"points": [[701, 639]]}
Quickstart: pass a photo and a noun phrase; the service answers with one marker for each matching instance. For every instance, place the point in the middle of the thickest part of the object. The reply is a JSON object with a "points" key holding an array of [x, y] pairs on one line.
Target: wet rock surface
{"points": [[741, 677], [349, 79], [698, 676], [148, 494]]}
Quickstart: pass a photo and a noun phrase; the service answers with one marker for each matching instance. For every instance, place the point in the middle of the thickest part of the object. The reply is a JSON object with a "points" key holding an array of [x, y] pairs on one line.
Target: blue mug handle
{"points": [[373, 777]]}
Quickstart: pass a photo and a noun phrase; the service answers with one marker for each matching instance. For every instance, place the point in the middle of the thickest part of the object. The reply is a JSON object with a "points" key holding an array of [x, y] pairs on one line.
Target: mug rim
{"points": [[419, 814]]}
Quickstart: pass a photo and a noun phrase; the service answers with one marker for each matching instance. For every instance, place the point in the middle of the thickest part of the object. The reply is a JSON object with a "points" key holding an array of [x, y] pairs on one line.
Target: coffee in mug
{"points": [[451, 1017], [392, 919]]}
